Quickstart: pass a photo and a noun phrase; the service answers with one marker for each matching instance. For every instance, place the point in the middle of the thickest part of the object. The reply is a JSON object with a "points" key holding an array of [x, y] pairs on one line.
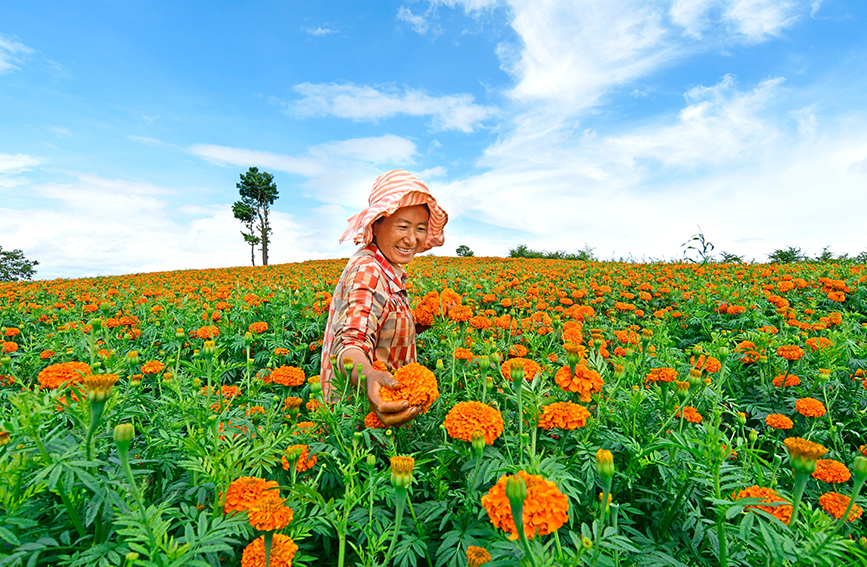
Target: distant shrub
{"points": [[522, 251]]}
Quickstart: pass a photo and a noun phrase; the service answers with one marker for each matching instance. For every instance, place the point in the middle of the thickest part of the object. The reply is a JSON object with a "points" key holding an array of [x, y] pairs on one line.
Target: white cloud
{"points": [[11, 53], [11, 165], [319, 31], [420, 24], [365, 103], [759, 20], [60, 131]]}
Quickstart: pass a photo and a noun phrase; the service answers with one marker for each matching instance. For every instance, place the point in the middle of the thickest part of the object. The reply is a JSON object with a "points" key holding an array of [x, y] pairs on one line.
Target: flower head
{"points": [[283, 550], [99, 386], [301, 456], [790, 352], [563, 415], [662, 374], [467, 417], [245, 491], [778, 421], [829, 470], [790, 380], [286, 376], [803, 453], [477, 556], [583, 381], [836, 504], [769, 495], [531, 368], [258, 327], [56, 375], [418, 386], [152, 367], [269, 513], [545, 508], [810, 407]]}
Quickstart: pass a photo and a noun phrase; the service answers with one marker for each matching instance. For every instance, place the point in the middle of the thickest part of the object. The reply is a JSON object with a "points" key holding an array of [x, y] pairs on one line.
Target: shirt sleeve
{"points": [[366, 298]]}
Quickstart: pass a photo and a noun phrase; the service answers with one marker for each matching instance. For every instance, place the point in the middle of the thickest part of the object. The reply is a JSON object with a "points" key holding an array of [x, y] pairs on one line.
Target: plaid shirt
{"points": [[370, 310]]}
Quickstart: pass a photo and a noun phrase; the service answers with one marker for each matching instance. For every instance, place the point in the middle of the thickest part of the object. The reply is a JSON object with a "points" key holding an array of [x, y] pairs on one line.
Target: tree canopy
{"points": [[14, 266], [258, 192]]}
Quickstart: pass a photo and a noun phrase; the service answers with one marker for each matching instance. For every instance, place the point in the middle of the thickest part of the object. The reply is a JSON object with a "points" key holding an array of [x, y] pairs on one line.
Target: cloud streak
{"points": [[11, 54]]}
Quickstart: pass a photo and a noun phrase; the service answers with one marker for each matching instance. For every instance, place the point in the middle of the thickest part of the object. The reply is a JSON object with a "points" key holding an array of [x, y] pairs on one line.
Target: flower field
{"points": [[628, 414]]}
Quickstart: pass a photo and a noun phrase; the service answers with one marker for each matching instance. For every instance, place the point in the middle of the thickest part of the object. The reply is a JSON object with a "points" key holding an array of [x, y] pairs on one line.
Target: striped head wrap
{"points": [[391, 191]]}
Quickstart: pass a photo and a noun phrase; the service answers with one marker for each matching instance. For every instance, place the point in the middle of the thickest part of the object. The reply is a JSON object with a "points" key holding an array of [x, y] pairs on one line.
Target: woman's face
{"points": [[402, 235]]}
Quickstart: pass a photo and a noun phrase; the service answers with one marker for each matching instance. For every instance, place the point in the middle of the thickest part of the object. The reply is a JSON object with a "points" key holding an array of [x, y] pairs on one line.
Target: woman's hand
{"points": [[389, 413]]}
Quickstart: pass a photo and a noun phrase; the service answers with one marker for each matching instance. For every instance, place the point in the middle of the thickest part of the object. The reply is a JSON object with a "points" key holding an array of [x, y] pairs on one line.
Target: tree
{"points": [[15, 267], [464, 251], [788, 255], [258, 192]]}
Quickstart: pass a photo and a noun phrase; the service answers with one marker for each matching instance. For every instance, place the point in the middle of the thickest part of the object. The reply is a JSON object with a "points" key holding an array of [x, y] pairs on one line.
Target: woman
{"points": [[370, 318]]}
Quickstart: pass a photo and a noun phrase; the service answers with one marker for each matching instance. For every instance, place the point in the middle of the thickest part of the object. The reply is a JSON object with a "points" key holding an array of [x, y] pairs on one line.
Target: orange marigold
{"points": [[662, 374], [829, 470], [244, 492], [531, 368], [769, 495], [467, 417], [477, 556], [563, 415], [305, 462], [258, 327], [790, 352], [269, 513], [810, 407], [836, 504], [283, 551], [460, 313], [9, 347], [418, 386], [691, 414], [517, 351], [707, 363], [152, 367], [803, 449], [463, 354], [11, 332], [207, 332], [778, 421], [56, 375], [545, 507], [791, 380], [371, 421], [287, 376], [583, 380], [280, 351], [817, 343], [46, 354]]}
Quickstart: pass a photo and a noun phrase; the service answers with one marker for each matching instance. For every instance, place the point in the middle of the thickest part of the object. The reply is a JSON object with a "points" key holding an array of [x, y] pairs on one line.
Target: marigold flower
{"points": [[583, 381], [304, 460], [810, 407], [460, 313], [280, 351], [152, 367], [707, 363], [782, 512], [11, 332], [778, 421], [477, 556], [56, 375], [286, 376], [531, 368], [206, 332], [467, 417], [9, 347], [46, 354], [99, 386], [545, 507], [463, 354], [292, 402], [269, 513], [563, 415], [518, 351], [836, 504], [401, 471], [791, 380], [829, 470], [418, 386], [283, 551], [818, 343], [790, 352], [258, 327], [245, 491], [662, 374], [371, 421]]}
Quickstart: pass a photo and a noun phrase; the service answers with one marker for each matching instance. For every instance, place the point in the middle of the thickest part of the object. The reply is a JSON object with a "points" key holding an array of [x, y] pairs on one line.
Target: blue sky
{"points": [[622, 125]]}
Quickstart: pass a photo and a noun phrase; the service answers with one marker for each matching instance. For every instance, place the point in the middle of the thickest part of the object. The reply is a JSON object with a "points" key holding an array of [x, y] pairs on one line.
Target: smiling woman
{"points": [[370, 319]]}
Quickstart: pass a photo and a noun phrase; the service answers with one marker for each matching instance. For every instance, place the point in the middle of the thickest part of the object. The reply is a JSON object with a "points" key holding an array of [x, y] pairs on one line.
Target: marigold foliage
{"points": [[466, 417]]}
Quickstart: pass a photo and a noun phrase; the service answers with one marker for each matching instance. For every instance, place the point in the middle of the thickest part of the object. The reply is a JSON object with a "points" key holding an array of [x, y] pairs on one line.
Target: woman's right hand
{"points": [[389, 413]]}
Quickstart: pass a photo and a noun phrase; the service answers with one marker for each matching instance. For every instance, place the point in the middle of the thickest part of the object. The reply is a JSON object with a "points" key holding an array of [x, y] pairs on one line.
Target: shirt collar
{"points": [[395, 275]]}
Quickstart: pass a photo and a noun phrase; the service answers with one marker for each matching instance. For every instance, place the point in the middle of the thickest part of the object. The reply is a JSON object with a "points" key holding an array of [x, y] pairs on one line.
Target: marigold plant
{"points": [[563, 415], [418, 386], [545, 507], [466, 417]]}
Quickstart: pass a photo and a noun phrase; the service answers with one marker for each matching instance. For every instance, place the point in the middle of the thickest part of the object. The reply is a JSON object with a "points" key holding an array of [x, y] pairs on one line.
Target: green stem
{"points": [[400, 503]]}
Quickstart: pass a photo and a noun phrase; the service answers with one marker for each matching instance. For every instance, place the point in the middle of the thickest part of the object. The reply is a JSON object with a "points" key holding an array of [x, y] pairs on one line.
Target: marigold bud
{"points": [[371, 460], [248, 338], [401, 471], [96, 324], [516, 489], [132, 357], [197, 382], [741, 418], [604, 463], [859, 469], [440, 364], [179, 333], [723, 352], [209, 349], [478, 441], [753, 436], [5, 437]]}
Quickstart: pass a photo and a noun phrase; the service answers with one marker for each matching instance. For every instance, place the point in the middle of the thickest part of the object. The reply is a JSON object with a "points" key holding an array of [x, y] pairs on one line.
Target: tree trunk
{"points": [[265, 230], [253, 254]]}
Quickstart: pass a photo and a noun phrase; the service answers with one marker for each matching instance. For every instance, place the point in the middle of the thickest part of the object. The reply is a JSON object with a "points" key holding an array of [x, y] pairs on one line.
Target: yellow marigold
{"points": [[810, 407], [778, 421], [258, 327], [305, 462], [531, 368], [371, 421], [418, 386], [152, 367], [207, 332], [563, 415], [283, 551], [791, 380], [292, 402], [545, 507], [287, 376], [583, 381], [782, 513], [269, 513], [56, 375], [280, 351], [790, 352], [466, 417], [836, 504], [829, 470], [663, 374], [804, 449], [477, 556], [244, 492]]}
